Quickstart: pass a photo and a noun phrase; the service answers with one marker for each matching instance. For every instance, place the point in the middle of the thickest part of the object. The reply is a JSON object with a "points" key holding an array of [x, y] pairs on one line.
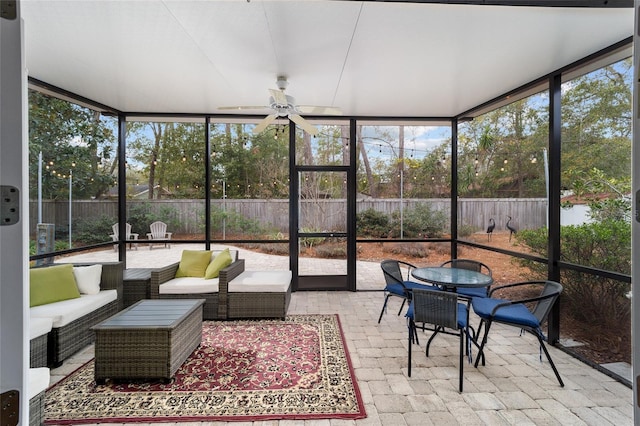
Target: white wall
{"points": [[13, 249], [577, 214]]}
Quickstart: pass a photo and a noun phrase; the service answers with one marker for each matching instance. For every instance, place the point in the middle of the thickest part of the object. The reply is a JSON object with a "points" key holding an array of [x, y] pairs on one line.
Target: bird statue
{"points": [[511, 228], [490, 228]]}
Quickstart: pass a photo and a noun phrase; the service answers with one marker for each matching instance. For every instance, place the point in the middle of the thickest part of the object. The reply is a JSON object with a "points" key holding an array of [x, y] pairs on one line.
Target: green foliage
{"points": [[612, 209], [59, 245], [372, 223], [419, 222], [142, 215], [604, 245], [465, 230], [419, 251], [310, 241], [70, 137], [593, 184], [233, 223], [93, 230]]}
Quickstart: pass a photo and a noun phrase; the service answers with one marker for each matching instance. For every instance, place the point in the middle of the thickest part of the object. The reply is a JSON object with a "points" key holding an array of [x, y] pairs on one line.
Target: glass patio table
{"points": [[452, 278]]}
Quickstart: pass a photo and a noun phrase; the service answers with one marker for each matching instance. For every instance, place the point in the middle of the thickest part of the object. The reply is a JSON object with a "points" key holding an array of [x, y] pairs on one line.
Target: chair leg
{"points": [[412, 331], [402, 306], [435, 332], [384, 306], [553, 366], [484, 342], [461, 359]]}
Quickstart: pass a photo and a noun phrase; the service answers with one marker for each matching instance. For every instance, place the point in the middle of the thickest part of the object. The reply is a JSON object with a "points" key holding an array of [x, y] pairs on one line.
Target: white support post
{"points": [[635, 220], [14, 254]]}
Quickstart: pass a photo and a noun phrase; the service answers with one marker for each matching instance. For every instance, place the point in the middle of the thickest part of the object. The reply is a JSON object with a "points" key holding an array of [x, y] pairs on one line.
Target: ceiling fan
{"points": [[284, 105]]}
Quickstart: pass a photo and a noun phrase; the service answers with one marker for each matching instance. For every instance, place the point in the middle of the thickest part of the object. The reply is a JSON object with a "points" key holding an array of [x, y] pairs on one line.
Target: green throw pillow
{"points": [[52, 284], [221, 261], [193, 263]]}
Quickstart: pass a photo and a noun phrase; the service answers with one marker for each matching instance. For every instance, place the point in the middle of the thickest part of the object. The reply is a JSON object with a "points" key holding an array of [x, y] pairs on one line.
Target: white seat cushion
{"points": [[261, 282], [38, 380], [66, 311], [189, 285], [39, 327]]}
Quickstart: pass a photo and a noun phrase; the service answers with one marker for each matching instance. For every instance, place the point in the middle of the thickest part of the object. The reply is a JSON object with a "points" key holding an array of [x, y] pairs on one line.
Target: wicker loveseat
{"points": [[72, 319], [165, 285]]}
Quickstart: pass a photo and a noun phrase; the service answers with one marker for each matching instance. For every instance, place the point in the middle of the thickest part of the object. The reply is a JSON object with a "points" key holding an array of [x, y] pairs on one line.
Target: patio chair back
{"points": [[469, 264], [116, 233], [435, 307], [396, 283], [543, 307], [158, 230], [392, 271], [441, 310]]}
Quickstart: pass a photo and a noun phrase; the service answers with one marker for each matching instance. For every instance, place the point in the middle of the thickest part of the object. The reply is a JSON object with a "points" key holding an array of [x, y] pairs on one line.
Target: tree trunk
{"points": [[373, 189]]}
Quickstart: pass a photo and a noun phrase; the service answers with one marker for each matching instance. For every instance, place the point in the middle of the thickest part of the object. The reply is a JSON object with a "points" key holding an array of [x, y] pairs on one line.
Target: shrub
{"points": [[235, 223], [466, 230], [605, 245], [142, 215], [332, 251], [372, 223], [412, 250], [93, 230], [58, 245], [419, 222], [310, 241]]}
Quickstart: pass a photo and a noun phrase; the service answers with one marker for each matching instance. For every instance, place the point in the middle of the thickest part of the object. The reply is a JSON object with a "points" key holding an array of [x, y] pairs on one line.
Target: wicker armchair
{"points": [[215, 305]]}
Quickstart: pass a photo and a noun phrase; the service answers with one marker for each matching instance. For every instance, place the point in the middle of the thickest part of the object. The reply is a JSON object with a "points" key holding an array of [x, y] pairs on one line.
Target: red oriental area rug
{"points": [[243, 371]]}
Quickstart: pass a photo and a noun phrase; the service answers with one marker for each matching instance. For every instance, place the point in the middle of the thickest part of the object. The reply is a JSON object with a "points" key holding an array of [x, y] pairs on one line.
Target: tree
{"points": [[596, 116], [70, 138]]}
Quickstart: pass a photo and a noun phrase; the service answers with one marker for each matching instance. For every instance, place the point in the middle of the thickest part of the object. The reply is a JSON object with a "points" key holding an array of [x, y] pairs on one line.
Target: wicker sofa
{"points": [[39, 329], [72, 319], [38, 383], [163, 280]]}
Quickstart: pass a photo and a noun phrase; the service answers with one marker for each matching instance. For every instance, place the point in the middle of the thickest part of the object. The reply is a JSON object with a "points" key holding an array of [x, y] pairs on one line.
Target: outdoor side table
{"points": [[149, 340], [136, 282]]}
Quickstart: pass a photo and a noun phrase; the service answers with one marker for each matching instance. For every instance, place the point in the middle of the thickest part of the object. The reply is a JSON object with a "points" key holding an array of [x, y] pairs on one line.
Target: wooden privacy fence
{"points": [[329, 215]]}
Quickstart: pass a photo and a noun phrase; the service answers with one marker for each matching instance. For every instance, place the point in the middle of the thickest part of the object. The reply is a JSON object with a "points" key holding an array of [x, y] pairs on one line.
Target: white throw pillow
{"points": [[88, 278]]}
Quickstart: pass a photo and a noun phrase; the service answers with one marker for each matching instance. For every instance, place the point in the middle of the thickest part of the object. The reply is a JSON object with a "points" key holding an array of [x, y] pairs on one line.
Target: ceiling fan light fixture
{"points": [[284, 105]]}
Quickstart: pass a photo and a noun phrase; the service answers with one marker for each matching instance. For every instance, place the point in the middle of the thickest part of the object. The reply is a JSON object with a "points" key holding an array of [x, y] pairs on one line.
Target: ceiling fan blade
{"points": [[242, 107], [312, 130], [279, 96], [264, 123], [318, 110]]}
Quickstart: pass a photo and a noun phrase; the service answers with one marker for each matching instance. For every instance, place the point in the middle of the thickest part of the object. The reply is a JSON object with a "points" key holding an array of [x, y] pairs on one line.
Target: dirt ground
{"points": [[504, 268]]}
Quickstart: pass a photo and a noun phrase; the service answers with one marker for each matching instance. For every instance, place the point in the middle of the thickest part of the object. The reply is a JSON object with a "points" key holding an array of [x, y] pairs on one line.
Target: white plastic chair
{"points": [[130, 235], [159, 232]]}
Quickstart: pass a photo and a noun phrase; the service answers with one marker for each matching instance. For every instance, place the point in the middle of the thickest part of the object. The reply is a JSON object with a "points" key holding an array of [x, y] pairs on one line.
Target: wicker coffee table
{"points": [[149, 340]]}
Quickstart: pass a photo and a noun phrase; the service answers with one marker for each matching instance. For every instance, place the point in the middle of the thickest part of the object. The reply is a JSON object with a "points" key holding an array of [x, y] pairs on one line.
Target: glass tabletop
{"points": [[452, 277]]}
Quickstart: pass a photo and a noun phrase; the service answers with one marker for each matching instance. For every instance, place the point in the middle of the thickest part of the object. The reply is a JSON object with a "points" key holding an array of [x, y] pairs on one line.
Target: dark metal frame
{"points": [[552, 81]]}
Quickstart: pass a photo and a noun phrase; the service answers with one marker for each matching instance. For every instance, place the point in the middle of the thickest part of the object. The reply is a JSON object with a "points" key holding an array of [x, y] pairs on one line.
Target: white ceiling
{"points": [[368, 58]]}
